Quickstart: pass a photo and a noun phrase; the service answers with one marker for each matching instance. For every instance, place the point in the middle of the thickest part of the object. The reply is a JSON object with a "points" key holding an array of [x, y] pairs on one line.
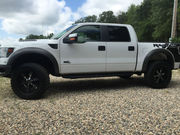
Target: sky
{"points": [[19, 18]]}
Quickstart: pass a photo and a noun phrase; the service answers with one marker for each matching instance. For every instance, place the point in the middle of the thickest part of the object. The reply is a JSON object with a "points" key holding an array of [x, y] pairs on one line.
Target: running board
{"points": [[94, 75]]}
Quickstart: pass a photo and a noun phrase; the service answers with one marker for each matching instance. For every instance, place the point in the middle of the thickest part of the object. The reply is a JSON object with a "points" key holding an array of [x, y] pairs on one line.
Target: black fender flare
{"points": [[156, 52], [32, 50]]}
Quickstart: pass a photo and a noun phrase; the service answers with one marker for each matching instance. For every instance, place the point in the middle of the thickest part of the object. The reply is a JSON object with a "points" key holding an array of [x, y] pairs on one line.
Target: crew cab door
{"points": [[121, 49], [87, 57]]}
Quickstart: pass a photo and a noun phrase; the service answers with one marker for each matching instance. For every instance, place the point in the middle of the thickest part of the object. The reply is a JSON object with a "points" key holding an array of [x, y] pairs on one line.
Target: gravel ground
{"points": [[93, 106]]}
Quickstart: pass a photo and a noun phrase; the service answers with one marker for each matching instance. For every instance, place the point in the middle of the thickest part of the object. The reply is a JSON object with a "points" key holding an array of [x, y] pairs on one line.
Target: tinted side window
{"points": [[91, 33], [119, 34]]}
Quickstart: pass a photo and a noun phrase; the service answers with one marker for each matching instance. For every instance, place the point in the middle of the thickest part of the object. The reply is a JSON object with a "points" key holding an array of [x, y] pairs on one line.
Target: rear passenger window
{"points": [[118, 34]]}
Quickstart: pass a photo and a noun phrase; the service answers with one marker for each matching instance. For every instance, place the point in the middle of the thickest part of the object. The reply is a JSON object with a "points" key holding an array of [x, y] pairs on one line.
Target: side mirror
{"points": [[75, 38], [74, 35], [72, 38]]}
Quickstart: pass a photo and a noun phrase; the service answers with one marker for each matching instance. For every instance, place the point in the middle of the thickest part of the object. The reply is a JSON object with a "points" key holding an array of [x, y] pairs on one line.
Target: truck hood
{"points": [[29, 43]]}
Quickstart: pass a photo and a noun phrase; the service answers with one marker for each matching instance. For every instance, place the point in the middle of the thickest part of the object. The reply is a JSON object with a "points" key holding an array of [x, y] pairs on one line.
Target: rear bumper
{"points": [[4, 70]]}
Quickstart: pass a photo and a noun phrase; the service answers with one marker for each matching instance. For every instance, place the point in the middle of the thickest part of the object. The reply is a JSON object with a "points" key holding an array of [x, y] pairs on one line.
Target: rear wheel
{"points": [[30, 81], [158, 75]]}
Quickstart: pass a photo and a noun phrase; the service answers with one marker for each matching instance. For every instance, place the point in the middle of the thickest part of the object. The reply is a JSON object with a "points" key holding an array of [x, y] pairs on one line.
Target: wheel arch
{"points": [[158, 55], [35, 55]]}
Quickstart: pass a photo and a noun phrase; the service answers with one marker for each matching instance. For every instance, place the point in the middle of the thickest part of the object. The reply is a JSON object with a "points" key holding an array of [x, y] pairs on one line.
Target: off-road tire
{"points": [[158, 75], [30, 81]]}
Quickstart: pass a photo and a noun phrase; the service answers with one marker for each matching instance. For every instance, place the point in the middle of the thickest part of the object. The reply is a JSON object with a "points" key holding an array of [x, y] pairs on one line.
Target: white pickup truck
{"points": [[86, 50]]}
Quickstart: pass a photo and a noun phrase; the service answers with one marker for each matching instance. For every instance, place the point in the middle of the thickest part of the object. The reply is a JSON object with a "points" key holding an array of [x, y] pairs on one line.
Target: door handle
{"points": [[131, 48], [101, 48]]}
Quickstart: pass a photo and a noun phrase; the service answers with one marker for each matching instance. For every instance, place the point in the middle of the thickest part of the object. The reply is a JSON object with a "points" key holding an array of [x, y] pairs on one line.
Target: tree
{"points": [[151, 19], [50, 35], [92, 18], [162, 19], [132, 15], [107, 17], [122, 17], [144, 24], [21, 39], [31, 36]]}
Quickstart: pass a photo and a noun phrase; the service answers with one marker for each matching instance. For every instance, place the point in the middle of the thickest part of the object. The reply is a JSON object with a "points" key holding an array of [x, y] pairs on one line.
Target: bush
{"points": [[176, 40]]}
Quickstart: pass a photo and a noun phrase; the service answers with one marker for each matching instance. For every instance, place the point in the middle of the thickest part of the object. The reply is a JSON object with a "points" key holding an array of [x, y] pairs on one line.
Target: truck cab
{"points": [[94, 48]]}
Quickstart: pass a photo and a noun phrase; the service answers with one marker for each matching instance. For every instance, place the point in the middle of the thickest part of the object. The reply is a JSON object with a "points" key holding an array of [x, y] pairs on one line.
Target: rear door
{"points": [[88, 57], [121, 50]]}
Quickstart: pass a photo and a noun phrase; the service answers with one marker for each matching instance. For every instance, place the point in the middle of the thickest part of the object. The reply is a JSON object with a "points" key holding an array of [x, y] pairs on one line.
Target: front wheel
{"points": [[30, 81], [158, 75]]}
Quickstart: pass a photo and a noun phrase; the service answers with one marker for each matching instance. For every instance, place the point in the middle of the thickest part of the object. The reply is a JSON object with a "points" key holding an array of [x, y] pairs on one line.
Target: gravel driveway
{"points": [[93, 106]]}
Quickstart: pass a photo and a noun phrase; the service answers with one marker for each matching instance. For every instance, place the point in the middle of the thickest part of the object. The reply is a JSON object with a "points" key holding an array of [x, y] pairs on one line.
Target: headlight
{"points": [[6, 52]]}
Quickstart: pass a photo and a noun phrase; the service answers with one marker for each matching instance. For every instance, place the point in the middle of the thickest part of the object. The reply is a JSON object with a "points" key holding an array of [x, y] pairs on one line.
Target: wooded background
{"points": [[152, 20]]}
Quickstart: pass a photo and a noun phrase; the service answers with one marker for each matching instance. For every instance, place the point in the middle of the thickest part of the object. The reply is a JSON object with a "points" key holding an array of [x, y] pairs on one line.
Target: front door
{"points": [[88, 57]]}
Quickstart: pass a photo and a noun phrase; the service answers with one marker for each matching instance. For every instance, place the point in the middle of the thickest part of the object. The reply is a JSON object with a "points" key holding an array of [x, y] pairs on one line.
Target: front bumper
{"points": [[4, 70]]}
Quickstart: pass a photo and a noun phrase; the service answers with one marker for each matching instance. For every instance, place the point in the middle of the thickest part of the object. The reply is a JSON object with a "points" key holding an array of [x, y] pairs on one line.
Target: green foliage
{"points": [[175, 40], [132, 15], [122, 17], [144, 26], [151, 19], [107, 17], [92, 18], [50, 35], [31, 36], [162, 19]]}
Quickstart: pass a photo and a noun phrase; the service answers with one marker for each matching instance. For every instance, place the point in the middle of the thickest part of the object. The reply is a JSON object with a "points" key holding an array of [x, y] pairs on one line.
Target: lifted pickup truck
{"points": [[86, 50]]}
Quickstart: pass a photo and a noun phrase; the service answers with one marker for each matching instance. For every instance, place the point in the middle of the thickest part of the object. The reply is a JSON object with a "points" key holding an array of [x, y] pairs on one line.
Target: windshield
{"points": [[57, 36]]}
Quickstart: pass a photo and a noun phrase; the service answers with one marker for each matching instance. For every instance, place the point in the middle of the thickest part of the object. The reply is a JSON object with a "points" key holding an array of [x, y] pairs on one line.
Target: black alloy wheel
{"points": [[30, 81], [158, 75]]}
